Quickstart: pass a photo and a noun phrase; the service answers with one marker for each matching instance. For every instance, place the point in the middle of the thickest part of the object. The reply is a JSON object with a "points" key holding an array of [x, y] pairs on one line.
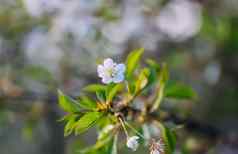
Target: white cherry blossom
{"points": [[110, 71]]}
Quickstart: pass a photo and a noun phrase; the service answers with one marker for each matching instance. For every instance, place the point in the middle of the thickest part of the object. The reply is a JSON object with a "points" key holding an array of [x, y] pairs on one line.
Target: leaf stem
{"points": [[134, 130], [124, 127]]}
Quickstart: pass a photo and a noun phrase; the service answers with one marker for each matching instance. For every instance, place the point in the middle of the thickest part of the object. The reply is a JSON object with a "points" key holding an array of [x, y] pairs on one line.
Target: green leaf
{"points": [[152, 78], [106, 120], [95, 88], [131, 86], [163, 77], [133, 61], [169, 139], [154, 70], [67, 103], [64, 118], [142, 80], [113, 145], [164, 74], [179, 91], [69, 127], [113, 91], [87, 121], [101, 96], [153, 64], [99, 89], [87, 103]]}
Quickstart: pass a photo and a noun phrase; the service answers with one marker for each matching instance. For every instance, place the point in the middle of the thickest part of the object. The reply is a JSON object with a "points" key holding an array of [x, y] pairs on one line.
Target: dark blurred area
{"points": [[47, 45]]}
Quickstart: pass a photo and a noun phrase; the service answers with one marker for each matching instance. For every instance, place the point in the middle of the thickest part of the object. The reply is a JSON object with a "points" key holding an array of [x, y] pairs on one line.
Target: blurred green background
{"points": [[47, 45]]}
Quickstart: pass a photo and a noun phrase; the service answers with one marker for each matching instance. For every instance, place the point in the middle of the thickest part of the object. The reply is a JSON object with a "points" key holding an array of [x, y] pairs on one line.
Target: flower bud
{"points": [[132, 143]]}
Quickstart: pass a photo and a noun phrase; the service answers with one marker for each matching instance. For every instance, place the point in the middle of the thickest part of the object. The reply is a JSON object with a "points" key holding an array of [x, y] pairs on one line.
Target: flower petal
{"points": [[100, 70], [118, 78], [132, 143], [121, 68], [108, 63]]}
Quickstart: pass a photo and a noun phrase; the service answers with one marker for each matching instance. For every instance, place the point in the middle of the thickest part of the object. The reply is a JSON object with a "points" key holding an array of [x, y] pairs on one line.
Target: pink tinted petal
{"points": [[108, 63]]}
